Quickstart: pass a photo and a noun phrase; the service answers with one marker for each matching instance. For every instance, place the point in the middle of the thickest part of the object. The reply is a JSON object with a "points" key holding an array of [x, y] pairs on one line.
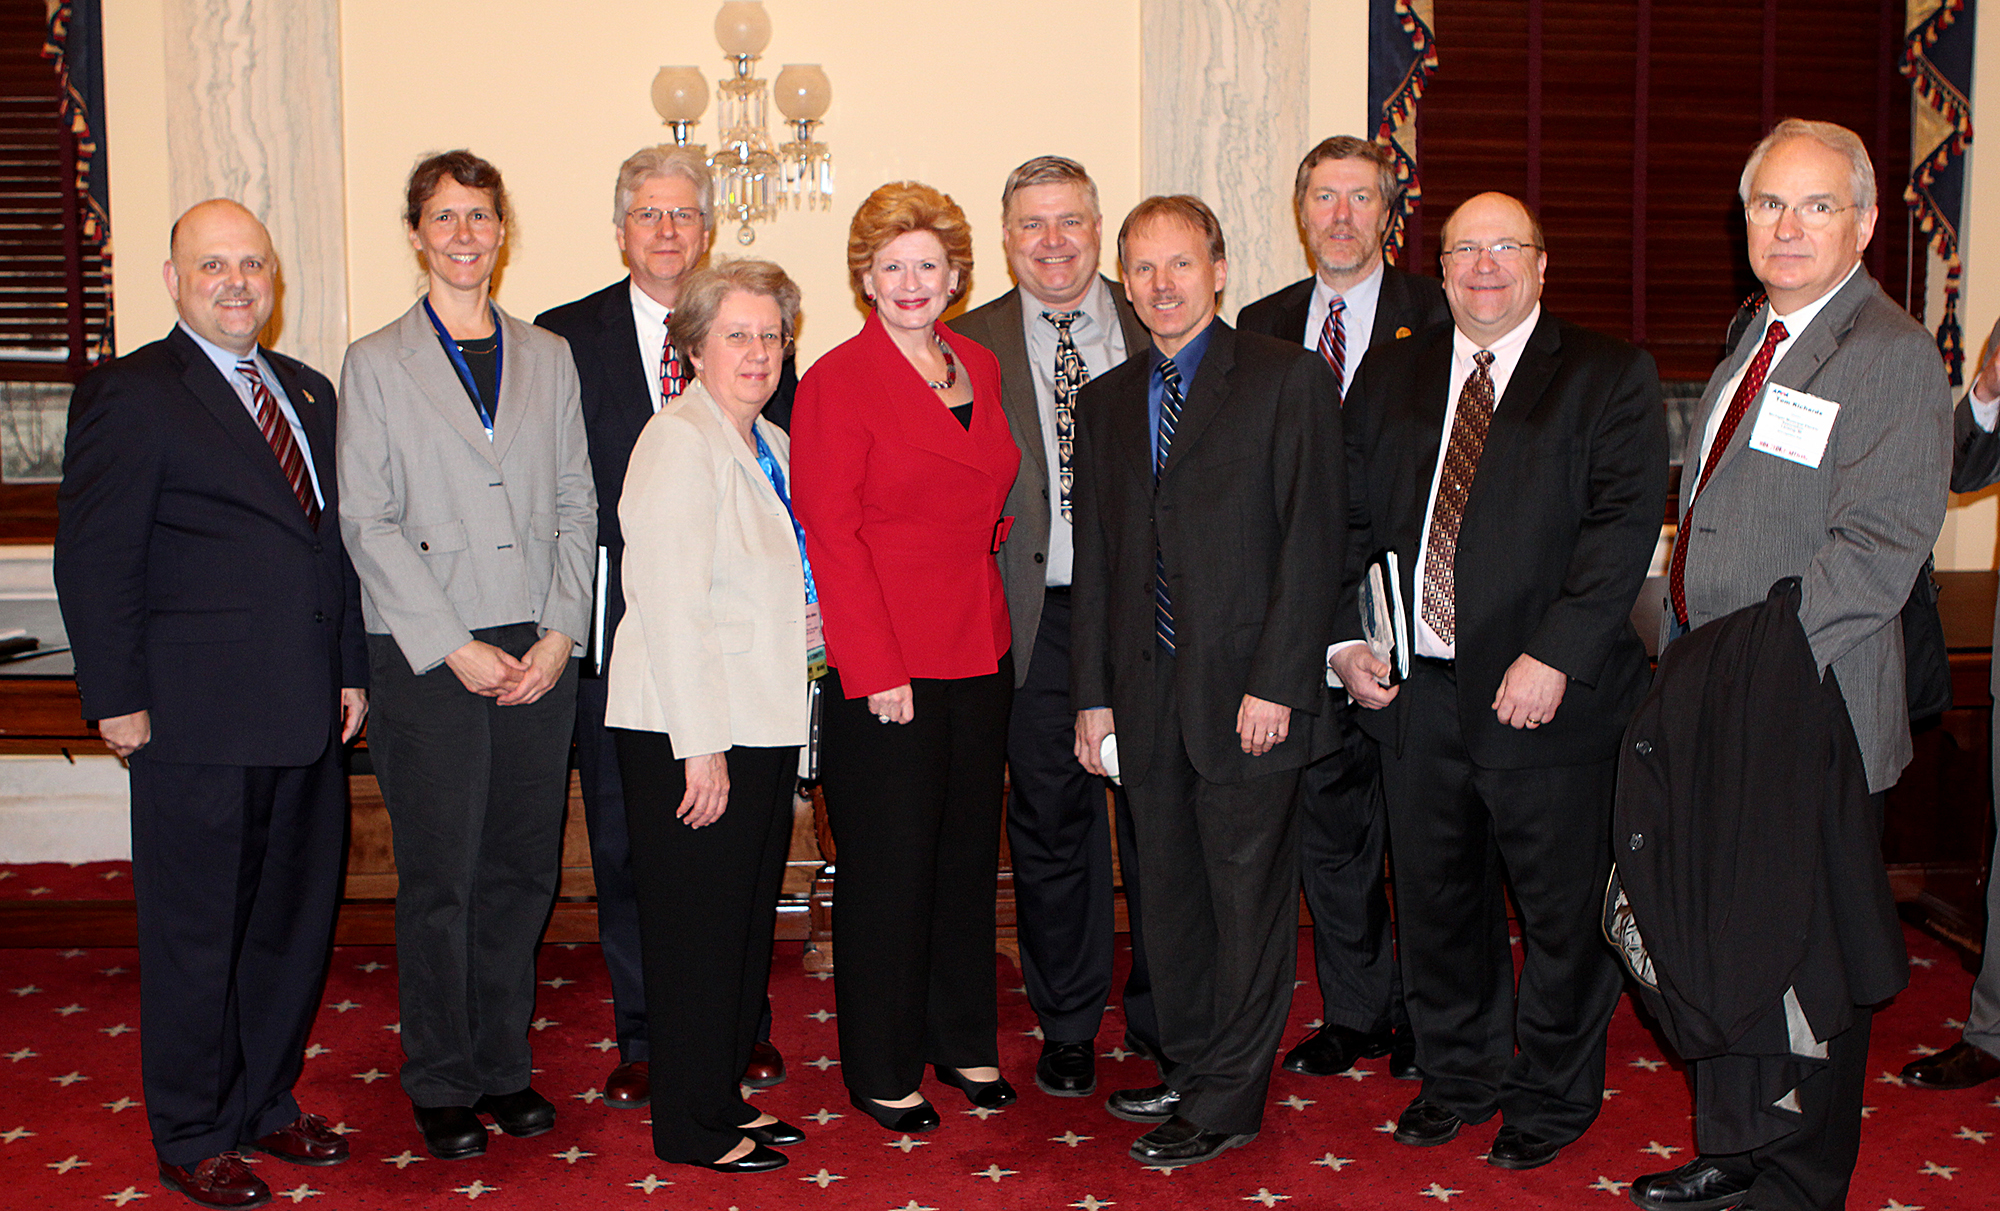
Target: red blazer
{"points": [[900, 507]]}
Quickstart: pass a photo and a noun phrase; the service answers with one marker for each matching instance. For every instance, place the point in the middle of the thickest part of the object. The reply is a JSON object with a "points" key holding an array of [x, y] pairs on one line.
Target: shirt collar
{"points": [[224, 359], [1797, 321], [647, 305], [1188, 360], [1362, 294], [1509, 344]]}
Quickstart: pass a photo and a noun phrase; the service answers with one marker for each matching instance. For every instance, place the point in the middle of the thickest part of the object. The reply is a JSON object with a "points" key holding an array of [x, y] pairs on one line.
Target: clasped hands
{"points": [[491, 673]]}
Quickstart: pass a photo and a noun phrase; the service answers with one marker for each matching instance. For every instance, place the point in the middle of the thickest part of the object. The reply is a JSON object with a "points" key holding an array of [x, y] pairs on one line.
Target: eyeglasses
{"points": [[1506, 252], [773, 342], [651, 216], [1813, 214]]}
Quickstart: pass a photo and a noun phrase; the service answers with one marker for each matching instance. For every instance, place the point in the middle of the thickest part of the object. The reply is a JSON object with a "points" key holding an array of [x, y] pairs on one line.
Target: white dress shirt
{"points": [[1795, 323], [1357, 321], [1100, 340], [225, 361], [649, 315]]}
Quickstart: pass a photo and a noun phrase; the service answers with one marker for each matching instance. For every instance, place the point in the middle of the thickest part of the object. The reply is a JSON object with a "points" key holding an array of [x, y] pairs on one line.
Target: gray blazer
{"points": [[1855, 528], [450, 532], [1024, 556]]}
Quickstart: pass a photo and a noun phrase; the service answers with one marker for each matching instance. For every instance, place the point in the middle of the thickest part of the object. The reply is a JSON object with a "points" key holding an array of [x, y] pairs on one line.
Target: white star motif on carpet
{"points": [[111, 971], [1089, 1203], [1118, 1053], [1069, 1137], [112, 874], [24, 1053], [71, 953], [1924, 1049], [120, 1106], [588, 1096], [402, 1160], [823, 1116], [1609, 1185], [1868, 1110], [1611, 1093], [1890, 1078], [125, 1196], [315, 1051], [71, 1008], [371, 1076], [16, 1134], [1936, 1170], [25, 990], [1953, 1024], [1649, 1065], [1357, 1074], [1034, 1033], [1926, 964], [64, 1166], [370, 967], [1893, 1205], [344, 1005], [39, 891], [982, 1113], [1387, 1128], [604, 1044], [1663, 1151], [556, 982], [1335, 1163], [115, 1031], [906, 1144], [572, 1154], [823, 1179], [912, 1205], [822, 1063], [1440, 1193], [69, 1078], [394, 1028], [819, 975], [473, 1191], [1977, 1137], [821, 1016], [1297, 1103], [298, 1193], [543, 1023], [649, 1183], [995, 1172], [341, 1128], [1266, 1197]]}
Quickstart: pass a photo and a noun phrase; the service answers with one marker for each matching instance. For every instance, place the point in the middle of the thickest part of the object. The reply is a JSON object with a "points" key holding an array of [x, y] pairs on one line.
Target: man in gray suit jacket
{"points": [[1061, 326], [1821, 450]]}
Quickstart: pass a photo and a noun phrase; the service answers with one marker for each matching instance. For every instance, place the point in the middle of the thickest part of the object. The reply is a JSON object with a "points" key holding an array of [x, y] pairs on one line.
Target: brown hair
{"points": [[703, 290], [461, 166], [898, 208], [1180, 208], [1047, 170], [1347, 147]]}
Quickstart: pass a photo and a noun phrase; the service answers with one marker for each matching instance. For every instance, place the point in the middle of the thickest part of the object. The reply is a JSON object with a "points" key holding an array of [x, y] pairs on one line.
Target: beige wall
{"points": [[1969, 537]]}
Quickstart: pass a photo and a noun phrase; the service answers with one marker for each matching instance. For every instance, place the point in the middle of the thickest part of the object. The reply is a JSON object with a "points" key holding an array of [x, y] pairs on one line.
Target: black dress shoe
{"points": [[1067, 1070], [909, 1120], [1960, 1066], [1699, 1185], [986, 1095], [766, 1067], [1515, 1149], [758, 1160], [451, 1132], [1153, 1104], [1426, 1125], [1178, 1142], [629, 1086], [1403, 1054], [780, 1134], [1333, 1049], [521, 1113]]}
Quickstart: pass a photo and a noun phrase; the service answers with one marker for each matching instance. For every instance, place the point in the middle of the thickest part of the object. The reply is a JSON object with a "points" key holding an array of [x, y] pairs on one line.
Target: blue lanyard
{"points": [[777, 478], [451, 351]]}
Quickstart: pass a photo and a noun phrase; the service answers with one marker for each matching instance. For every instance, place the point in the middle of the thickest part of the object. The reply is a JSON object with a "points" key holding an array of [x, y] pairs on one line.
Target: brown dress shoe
{"points": [[307, 1140], [1960, 1066], [219, 1181], [766, 1067], [629, 1086]]}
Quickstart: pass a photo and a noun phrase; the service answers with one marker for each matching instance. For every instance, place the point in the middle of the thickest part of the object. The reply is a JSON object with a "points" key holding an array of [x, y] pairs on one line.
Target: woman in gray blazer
{"points": [[708, 705], [467, 507]]}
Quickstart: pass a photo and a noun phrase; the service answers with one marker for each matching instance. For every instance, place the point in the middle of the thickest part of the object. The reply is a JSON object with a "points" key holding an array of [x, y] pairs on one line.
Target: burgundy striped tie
{"points": [[278, 432], [1333, 345]]}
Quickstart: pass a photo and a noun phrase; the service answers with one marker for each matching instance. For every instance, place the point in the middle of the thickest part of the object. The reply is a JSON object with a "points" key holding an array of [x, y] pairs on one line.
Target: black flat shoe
{"points": [[986, 1095], [780, 1134], [909, 1120], [521, 1114], [451, 1132], [758, 1160]]}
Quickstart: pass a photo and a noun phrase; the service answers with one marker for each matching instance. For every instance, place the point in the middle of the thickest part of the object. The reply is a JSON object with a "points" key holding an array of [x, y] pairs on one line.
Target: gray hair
{"points": [[1048, 170], [1347, 147], [1860, 169], [664, 160], [703, 290]]}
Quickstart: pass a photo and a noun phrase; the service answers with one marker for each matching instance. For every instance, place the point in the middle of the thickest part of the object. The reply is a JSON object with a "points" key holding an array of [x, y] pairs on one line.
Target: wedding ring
{"points": [[881, 718]]}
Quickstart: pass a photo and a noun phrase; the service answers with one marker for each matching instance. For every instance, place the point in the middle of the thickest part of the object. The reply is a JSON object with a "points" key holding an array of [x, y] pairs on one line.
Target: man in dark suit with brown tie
{"points": [[1516, 465], [1344, 195], [217, 628]]}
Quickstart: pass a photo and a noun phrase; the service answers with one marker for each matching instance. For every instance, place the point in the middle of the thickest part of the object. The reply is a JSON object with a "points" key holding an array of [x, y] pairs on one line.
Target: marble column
{"points": [[1224, 98], [253, 96]]}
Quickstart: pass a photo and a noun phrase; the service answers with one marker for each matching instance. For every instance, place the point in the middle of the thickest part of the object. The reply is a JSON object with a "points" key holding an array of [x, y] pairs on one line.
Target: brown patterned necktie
{"points": [[673, 378], [277, 432], [1461, 460], [1071, 375], [1739, 403]]}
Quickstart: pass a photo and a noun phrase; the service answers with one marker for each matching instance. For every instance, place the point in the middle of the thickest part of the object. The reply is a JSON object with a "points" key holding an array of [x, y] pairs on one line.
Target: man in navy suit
{"points": [[663, 219], [217, 628]]}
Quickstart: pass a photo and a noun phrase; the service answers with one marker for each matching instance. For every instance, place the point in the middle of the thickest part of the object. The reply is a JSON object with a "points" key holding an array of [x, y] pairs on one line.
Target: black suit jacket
{"points": [[1407, 305], [1559, 528], [191, 585], [604, 341], [1246, 516]]}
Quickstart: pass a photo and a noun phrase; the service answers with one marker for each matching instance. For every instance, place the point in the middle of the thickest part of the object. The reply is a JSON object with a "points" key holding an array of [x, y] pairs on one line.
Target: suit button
{"points": [[1038, 557], [319, 615], [318, 548], [1644, 748], [1636, 842], [1146, 655], [423, 546]]}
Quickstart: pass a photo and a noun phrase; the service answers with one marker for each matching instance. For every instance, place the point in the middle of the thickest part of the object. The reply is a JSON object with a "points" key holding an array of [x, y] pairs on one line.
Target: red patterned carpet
{"points": [[73, 1133]]}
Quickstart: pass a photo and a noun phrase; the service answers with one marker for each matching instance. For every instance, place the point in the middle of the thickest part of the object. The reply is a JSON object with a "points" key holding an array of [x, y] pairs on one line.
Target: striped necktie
{"points": [[277, 433], [1170, 416], [1333, 344]]}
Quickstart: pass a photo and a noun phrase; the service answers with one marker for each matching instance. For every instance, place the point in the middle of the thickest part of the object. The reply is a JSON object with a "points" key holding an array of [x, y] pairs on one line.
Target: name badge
{"points": [[815, 643], [1794, 425]]}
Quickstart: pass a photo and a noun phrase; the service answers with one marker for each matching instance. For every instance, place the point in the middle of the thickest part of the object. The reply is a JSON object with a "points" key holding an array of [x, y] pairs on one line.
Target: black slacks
{"points": [[1343, 834], [915, 810], [1061, 845], [1810, 1168], [475, 793], [1458, 832], [236, 871], [708, 899], [1220, 861], [611, 868]]}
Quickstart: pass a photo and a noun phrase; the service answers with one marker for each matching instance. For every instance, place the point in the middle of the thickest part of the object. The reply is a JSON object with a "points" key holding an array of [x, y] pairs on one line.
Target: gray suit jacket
{"points": [[1024, 556], [1857, 527], [448, 531]]}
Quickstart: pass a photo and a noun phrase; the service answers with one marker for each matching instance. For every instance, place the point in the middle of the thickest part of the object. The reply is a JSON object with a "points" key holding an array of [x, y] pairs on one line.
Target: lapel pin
{"points": [[1401, 333]]}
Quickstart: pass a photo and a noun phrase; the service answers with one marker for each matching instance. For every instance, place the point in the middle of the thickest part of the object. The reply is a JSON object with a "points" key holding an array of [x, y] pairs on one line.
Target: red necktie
{"points": [[1746, 391], [673, 379], [278, 432], [1333, 345]]}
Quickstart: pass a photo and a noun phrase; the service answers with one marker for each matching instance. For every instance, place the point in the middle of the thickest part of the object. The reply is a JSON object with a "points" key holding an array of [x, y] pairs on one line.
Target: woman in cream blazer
{"points": [[707, 702]]}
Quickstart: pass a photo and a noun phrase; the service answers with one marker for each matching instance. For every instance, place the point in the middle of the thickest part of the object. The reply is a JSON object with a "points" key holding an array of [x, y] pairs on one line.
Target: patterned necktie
{"points": [[1170, 416], [1333, 345], [277, 432], [1461, 460], [1071, 375], [673, 379], [1746, 392]]}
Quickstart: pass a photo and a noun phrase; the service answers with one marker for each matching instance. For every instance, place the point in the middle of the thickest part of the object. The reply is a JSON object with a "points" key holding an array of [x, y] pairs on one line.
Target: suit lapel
{"points": [[1136, 336], [1203, 397], [205, 382], [1427, 409], [316, 418], [424, 360], [628, 394], [516, 384], [1017, 380], [1293, 310]]}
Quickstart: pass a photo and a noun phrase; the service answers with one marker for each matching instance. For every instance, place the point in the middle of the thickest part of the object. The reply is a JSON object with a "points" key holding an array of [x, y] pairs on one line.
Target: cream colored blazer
{"points": [[712, 648]]}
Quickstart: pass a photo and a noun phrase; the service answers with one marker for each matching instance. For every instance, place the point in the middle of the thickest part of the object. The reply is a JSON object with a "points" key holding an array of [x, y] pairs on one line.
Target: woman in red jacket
{"points": [[901, 462]]}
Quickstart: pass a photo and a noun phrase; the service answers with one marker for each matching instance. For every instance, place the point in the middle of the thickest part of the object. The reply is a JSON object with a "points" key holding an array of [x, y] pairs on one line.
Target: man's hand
{"points": [[541, 668], [485, 669], [1262, 725], [1529, 693], [1092, 726], [1987, 385], [353, 713], [1361, 675], [126, 734], [707, 790], [898, 705]]}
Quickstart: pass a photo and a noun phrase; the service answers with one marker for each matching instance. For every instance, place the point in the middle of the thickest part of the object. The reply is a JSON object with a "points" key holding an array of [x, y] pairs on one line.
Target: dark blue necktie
{"points": [[1170, 416]]}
